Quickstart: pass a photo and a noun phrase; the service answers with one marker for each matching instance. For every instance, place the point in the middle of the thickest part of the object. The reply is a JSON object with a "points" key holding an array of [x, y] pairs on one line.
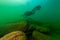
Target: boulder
{"points": [[16, 35], [39, 36]]}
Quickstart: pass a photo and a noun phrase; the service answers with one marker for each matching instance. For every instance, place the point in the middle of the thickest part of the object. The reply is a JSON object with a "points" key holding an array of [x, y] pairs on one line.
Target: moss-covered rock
{"points": [[39, 36], [18, 26]]}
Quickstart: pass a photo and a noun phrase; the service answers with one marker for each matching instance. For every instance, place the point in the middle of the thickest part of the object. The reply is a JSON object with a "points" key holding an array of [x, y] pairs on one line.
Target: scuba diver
{"points": [[29, 13]]}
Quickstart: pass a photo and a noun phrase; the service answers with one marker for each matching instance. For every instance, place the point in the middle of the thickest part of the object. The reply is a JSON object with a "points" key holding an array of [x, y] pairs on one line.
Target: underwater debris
{"points": [[29, 13]]}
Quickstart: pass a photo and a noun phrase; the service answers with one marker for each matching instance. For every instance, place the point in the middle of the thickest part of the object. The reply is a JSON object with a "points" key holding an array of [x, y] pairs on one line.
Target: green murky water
{"points": [[49, 13]]}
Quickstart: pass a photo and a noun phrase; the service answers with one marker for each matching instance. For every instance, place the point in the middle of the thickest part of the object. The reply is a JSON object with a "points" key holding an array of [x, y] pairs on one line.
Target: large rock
{"points": [[16, 35], [40, 36], [17, 26]]}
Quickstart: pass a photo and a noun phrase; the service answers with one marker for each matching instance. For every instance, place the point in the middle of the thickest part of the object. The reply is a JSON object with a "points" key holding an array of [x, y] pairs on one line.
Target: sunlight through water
{"points": [[14, 1]]}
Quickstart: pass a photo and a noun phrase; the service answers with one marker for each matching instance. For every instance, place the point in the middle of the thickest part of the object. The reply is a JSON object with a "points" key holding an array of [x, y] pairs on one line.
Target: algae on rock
{"points": [[16, 35]]}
